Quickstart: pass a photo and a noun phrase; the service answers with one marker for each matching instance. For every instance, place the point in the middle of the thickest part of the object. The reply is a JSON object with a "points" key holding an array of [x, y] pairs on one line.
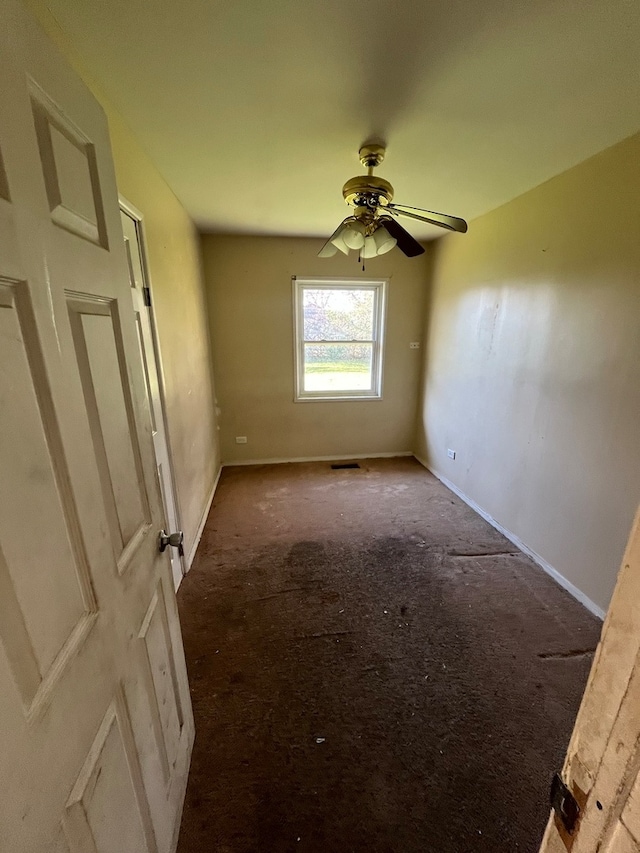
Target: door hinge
{"points": [[146, 293], [564, 804]]}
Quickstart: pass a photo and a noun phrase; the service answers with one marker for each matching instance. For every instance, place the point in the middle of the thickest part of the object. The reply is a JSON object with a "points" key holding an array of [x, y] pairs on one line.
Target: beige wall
{"points": [[251, 318], [179, 303], [532, 372]]}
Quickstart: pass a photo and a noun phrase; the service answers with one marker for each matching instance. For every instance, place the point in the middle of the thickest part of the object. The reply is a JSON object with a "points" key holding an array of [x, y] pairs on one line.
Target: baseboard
{"points": [[573, 590], [203, 521], [318, 458]]}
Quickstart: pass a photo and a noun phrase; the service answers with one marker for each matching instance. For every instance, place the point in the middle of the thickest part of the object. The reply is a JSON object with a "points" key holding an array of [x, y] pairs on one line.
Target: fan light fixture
{"points": [[383, 240], [354, 234], [373, 228], [337, 241]]}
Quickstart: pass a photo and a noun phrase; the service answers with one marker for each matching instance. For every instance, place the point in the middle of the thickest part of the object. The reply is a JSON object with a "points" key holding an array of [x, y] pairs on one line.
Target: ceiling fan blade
{"points": [[443, 220], [406, 243], [329, 249]]}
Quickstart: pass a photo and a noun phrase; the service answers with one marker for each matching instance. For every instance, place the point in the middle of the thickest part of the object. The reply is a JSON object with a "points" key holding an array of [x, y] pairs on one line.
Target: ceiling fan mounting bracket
{"points": [[371, 155]]}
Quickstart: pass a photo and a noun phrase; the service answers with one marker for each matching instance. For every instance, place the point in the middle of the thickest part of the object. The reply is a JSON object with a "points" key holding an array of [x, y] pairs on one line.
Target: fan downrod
{"points": [[368, 191]]}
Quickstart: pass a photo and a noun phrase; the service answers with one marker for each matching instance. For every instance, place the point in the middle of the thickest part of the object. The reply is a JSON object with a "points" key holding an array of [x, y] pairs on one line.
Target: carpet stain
{"points": [[370, 669]]}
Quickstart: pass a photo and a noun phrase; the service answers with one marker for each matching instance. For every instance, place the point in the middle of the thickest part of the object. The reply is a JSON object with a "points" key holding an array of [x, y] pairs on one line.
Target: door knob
{"points": [[174, 539]]}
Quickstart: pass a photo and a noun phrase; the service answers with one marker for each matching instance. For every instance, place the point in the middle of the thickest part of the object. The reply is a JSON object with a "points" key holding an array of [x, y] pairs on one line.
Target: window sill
{"points": [[343, 398]]}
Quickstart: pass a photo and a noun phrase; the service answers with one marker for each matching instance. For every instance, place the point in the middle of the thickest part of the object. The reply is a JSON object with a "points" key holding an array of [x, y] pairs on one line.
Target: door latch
{"points": [[174, 539], [564, 804]]}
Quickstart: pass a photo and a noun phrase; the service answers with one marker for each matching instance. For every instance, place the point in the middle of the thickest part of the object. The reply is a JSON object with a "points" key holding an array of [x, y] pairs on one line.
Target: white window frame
{"points": [[379, 288]]}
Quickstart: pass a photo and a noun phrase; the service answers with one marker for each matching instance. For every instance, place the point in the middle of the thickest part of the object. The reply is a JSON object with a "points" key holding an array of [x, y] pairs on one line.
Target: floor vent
{"points": [[339, 466]]}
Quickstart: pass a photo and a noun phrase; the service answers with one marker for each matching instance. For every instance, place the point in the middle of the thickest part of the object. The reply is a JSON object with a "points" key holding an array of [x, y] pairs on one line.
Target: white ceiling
{"points": [[254, 110]]}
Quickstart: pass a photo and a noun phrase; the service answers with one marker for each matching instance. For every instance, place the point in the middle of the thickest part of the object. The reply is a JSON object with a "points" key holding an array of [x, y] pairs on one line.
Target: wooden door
{"points": [[603, 760], [131, 229], [95, 718]]}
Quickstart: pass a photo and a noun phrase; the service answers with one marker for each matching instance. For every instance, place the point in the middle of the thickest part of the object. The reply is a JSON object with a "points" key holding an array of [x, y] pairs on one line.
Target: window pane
{"points": [[335, 314], [337, 367]]}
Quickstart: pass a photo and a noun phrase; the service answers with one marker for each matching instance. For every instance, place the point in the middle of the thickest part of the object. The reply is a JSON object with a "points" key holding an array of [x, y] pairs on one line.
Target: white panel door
{"points": [[602, 767], [95, 717], [131, 230]]}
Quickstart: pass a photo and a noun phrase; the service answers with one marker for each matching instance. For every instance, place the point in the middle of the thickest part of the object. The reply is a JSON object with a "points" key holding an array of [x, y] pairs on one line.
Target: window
{"points": [[339, 327]]}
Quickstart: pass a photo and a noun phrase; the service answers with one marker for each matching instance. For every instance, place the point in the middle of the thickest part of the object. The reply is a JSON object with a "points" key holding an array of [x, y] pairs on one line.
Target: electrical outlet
{"points": [[241, 439], [414, 345], [451, 453]]}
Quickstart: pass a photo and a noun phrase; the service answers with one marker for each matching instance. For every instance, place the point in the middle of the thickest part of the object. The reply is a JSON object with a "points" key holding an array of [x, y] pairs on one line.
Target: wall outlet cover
{"points": [[241, 439], [451, 453]]}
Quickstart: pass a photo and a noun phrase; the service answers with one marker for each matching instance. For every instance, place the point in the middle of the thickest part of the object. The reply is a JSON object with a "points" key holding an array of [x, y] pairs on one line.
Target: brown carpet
{"points": [[373, 668]]}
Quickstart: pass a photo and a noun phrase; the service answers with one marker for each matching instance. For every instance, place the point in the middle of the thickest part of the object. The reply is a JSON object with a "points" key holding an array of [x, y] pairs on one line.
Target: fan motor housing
{"points": [[367, 187]]}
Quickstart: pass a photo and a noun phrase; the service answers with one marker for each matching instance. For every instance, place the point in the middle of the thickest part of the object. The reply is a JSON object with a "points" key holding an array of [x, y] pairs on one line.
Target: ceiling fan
{"points": [[373, 228]]}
